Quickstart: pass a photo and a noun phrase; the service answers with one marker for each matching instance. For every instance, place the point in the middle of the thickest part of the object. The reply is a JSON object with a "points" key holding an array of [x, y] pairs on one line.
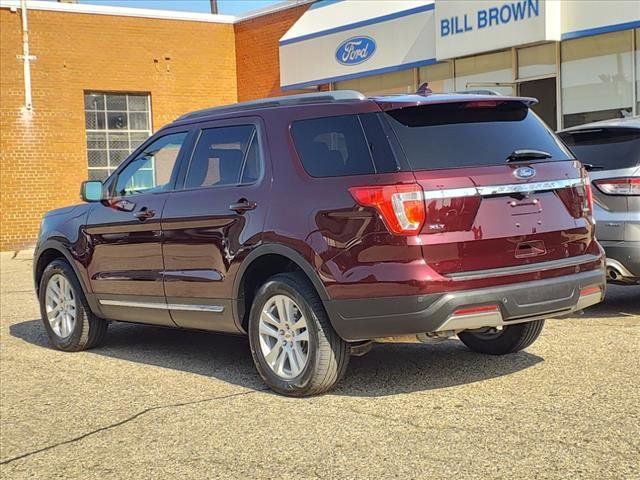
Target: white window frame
{"points": [[109, 169]]}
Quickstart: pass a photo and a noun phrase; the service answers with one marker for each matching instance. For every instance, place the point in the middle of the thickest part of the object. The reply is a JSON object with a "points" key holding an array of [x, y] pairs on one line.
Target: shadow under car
{"points": [[387, 370]]}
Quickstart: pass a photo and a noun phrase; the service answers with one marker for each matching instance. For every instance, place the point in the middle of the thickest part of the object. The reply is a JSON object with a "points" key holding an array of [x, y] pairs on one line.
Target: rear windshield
{"points": [[610, 148], [470, 134]]}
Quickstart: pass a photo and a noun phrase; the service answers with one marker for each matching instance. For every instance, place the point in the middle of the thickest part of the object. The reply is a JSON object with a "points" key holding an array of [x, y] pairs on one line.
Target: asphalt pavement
{"points": [[160, 403]]}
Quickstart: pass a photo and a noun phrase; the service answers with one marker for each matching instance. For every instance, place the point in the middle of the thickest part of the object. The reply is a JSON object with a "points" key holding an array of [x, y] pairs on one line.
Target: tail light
{"points": [[579, 199], [401, 206], [619, 186], [482, 104], [406, 209], [588, 209]]}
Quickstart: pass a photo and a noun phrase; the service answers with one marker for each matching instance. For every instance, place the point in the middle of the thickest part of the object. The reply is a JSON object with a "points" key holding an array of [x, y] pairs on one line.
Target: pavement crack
{"points": [[124, 421]]}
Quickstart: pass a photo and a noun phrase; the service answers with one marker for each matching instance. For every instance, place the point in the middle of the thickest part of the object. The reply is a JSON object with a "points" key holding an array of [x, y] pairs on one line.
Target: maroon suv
{"points": [[318, 222]]}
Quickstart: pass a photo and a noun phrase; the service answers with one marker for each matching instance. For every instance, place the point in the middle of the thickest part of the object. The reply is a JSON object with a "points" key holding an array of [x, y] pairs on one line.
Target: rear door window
{"points": [[469, 134], [224, 156], [610, 148]]}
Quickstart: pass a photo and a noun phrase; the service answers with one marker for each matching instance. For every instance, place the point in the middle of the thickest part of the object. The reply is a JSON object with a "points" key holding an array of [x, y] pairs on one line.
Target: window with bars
{"points": [[116, 124]]}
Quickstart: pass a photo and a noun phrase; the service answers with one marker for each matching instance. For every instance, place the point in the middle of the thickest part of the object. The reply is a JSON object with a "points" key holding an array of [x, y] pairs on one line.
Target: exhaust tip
{"points": [[613, 274]]}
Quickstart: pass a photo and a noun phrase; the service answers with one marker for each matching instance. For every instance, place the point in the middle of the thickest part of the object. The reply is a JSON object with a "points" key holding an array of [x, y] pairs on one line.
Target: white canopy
{"points": [[337, 40]]}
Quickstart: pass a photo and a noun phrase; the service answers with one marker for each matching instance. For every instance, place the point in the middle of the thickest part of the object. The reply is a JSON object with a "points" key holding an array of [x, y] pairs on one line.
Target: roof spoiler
{"points": [[405, 101]]}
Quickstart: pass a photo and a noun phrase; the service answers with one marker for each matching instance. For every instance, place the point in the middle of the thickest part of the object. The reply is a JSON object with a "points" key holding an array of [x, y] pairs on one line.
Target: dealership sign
{"points": [[466, 27], [355, 50], [337, 41], [489, 17]]}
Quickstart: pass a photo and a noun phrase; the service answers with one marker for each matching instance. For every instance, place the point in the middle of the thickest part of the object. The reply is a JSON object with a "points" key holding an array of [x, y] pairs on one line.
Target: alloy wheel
{"points": [[60, 305], [284, 336]]}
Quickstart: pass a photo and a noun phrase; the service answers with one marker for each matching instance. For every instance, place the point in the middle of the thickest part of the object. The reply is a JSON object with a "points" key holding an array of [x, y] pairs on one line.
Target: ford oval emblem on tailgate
{"points": [[524, 172], [355, 50]]}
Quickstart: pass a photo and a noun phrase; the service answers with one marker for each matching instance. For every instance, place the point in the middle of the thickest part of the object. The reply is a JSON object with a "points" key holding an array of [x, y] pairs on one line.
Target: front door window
{"points": [[150, 172]]}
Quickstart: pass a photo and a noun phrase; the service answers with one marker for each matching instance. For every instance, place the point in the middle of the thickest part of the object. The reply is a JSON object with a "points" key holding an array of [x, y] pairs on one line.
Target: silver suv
{"points": [[610, 150]]}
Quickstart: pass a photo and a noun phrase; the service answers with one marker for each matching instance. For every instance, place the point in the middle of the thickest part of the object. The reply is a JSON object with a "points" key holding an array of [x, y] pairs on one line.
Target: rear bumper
{"points": [[364, 319], [624, 256]]}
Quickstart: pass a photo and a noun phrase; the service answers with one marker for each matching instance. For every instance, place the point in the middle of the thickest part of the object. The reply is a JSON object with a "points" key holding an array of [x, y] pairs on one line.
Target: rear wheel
{"points": [[510, 339], [69, 322], [293, 344]]}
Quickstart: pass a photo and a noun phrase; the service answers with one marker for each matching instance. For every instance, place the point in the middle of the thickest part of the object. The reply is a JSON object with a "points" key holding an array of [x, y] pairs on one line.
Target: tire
{"points": [[327, 355], [510, 340], [87, 330]]}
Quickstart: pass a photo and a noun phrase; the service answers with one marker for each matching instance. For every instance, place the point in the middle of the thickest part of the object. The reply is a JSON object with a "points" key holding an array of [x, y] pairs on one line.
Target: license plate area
{"points": [[544, 298]]}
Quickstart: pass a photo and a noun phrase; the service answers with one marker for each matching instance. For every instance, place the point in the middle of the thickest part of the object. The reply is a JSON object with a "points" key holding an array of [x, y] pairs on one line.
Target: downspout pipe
{"points": [[25, 57]]}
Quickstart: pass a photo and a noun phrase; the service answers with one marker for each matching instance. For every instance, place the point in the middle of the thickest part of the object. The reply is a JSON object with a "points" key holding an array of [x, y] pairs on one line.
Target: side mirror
{"points": [[92, 191]]}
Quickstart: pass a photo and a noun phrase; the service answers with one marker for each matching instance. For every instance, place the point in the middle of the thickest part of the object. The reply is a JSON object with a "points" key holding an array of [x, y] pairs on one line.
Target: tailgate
{"points": [[500, 189], [479, 221]]}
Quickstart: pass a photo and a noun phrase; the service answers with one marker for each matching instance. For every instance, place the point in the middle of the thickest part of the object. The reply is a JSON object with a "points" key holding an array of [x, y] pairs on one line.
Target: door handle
{"points": [[123, 204], [243, 205], [144, 214]]}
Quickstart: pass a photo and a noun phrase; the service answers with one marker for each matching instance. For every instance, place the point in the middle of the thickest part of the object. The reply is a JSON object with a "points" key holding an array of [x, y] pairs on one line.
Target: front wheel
{"points": [[293, 344], [510, 339], [66, 315]]}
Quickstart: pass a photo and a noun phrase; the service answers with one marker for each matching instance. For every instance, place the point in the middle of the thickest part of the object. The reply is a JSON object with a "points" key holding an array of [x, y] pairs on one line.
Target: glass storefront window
{"points": [[481, 71], [396, 82], [439, 76], [537, 61], [597, 78]]}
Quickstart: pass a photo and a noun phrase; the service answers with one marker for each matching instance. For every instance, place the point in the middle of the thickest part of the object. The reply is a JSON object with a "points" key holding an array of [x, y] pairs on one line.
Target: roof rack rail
{"points": [[299, 99]]}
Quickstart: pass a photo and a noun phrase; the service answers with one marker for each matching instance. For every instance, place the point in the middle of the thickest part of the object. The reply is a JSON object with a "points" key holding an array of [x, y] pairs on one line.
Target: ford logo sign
{"points": [[355, 50], [524, 172]]}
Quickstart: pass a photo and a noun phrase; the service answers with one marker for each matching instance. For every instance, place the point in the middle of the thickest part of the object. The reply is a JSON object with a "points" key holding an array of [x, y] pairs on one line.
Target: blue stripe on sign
{"points": [[323, 3], [363, 23], [378, 71], [598, 30]]}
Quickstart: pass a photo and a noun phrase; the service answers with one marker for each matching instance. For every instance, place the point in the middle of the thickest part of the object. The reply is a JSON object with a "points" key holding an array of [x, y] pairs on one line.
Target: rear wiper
{"points": [[589, 166], [527, 154]]}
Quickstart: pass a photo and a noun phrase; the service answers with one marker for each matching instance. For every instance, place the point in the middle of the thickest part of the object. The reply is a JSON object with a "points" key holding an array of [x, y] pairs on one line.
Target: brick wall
{"points": [[43, 155], [257, 57]]}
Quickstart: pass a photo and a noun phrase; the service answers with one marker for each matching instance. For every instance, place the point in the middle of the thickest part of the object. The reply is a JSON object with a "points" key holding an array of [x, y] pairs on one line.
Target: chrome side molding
{"points": [[165, 306], [195, 308]]}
